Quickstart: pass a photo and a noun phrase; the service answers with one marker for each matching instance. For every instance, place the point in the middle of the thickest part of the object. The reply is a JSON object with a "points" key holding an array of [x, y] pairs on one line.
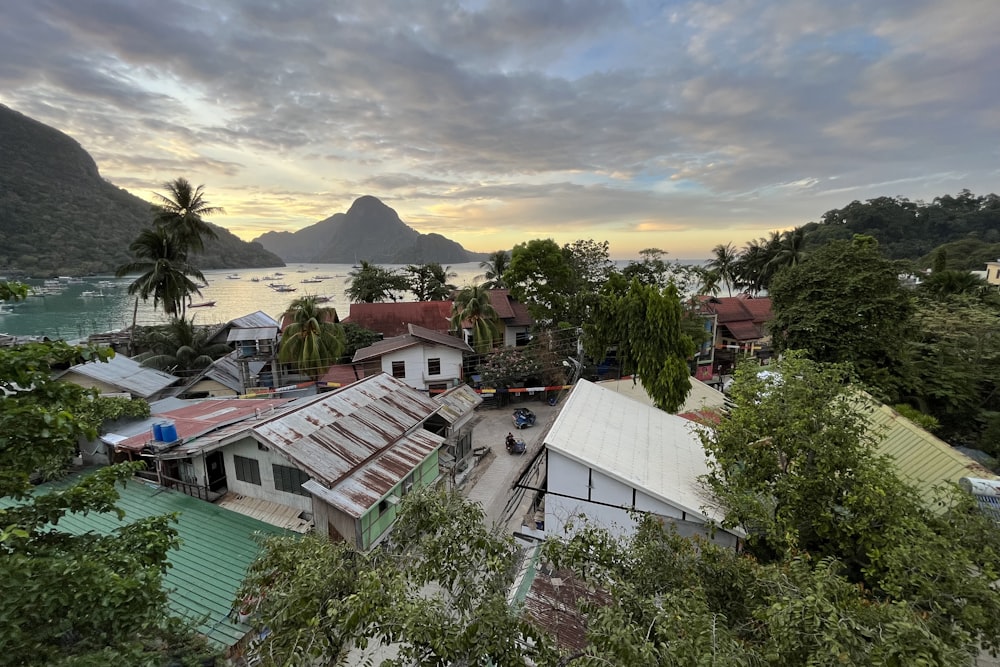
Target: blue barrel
{"points": [[168, 431], [158, 431]]}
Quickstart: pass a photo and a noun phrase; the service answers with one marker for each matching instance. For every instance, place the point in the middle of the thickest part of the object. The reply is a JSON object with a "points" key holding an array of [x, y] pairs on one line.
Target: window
{"points": [[522, 338], [434, 366], [407, 485], [399, 369], [247, 469], [289, 479]]}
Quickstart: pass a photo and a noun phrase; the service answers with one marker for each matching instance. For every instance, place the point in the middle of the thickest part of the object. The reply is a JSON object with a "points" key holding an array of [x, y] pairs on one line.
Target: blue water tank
{"points": [[158, 431], [168, 431]]}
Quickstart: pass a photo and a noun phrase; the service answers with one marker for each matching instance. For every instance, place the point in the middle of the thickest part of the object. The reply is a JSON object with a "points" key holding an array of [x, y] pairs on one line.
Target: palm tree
{"points": [[708, 282], [472, 309], [181, 346], [429, 282], [790, 249], [181, 211], [164, 270], [724, 264], [495, 265], [314, 340]]}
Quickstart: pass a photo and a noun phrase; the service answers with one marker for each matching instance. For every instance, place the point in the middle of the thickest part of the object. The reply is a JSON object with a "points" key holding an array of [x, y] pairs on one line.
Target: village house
{"points": [[426, 360], [121, 376]]}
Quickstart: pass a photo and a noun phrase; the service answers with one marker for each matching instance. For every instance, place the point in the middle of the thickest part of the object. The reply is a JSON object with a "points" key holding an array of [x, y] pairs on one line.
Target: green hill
{"points": [[59, 217]]}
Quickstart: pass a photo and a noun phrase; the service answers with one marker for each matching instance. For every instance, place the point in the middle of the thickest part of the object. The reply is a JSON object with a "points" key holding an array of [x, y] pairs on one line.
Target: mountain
{"points": [[59, 217], [369, 230]]}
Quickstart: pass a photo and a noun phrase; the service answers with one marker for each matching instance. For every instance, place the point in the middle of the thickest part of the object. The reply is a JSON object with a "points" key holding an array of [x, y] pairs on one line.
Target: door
{"points": [[216, 471]]}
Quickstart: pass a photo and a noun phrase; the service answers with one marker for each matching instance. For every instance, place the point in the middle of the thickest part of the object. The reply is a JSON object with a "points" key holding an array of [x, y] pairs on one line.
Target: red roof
{"points": [[390, 319], [743, 331], [204, 417], [340, 374], [743, 316], [510, 310]]}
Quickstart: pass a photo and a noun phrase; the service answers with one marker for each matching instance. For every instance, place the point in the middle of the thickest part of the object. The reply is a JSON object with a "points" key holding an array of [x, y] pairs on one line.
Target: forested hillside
{"points": [[913, 229], [59, 217]]}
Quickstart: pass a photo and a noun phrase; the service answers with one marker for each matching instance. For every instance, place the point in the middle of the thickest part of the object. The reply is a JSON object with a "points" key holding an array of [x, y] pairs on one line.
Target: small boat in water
{"points": [[284, 288], [310, 280], [233, 276], [90, 294], [203, 304], [255, 279]]}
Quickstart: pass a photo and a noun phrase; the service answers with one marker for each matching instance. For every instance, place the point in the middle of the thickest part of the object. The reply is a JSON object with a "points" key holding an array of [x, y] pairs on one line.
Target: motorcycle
{"points": [[523, 418], [514, 446]]}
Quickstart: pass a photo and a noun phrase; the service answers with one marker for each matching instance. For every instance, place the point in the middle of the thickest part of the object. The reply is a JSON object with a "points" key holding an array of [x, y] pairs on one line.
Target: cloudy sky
{"points": [[670, 124]]}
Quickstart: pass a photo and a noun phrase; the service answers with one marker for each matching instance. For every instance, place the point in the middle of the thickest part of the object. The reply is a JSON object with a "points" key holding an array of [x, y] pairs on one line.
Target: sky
{"points": [[676, 125]]}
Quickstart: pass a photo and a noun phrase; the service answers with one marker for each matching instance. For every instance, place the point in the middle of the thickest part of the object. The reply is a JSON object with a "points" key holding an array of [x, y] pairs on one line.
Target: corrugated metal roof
{"points": [[252, 333], [552, 602], [216, 548], [368, 484], [636, 444], [256, 320], [458, 402], [334, 435], [920, 458], [128, 374]]}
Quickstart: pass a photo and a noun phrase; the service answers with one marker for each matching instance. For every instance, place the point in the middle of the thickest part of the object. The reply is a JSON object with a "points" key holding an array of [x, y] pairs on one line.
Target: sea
{"points": [[99, 304]]}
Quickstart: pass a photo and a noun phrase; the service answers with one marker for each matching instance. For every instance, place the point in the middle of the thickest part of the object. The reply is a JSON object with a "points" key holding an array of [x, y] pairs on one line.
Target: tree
{"points": [[952, 281], [644, 324], [755, 266], [437, 591], [357, 337], [472, 310], [590, 265], [165, 273], [13, 291], [66, 598], [790, 250], [507, 366], [723, 262], [652, 269], [180, 211], [314, 340], [429, 282], [540, 277], [795, 465], [494, 267], [844, 302], [371, 283], [180, 346]]}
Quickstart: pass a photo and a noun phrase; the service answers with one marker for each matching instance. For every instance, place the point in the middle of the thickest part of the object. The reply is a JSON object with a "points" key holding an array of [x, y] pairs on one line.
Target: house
{"points": [[608, 455], [454, 421], [993, 273], [740, 326], [121, 376], [215, 549], [424, 359], [391, 319], [517, 322], [255, 339], [341, 459], [222, 378]]}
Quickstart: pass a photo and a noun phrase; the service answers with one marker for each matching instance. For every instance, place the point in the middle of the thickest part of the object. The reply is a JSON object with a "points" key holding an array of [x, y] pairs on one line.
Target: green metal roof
{"points": [[217, 547], [921, 459]]}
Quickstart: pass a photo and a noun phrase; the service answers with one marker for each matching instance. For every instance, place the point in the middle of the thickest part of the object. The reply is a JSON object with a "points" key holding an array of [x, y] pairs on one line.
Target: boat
{"points": [[90, 294], [322, 277], [6, 308], [321, 299], [255, 279], [203, 304], [310, 280], [233, 276], [284, 288], [268, 278], [278, 273]]}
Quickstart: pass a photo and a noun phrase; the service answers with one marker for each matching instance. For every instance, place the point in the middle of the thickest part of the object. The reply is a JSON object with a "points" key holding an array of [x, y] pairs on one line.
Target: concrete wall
{"points": [[212, 387], [416, 357], [265, 491]]}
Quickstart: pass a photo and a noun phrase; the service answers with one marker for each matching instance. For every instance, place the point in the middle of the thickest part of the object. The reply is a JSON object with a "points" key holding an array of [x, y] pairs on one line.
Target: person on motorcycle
{"points": [[511, 441]]}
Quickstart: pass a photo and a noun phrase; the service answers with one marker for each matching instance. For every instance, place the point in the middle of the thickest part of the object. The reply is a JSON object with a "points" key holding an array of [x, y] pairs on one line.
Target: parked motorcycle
{"points": [[523, 418]]}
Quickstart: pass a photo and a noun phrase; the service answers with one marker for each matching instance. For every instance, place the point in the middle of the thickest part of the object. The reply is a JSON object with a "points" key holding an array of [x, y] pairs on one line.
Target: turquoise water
{"points": [[71, 316]]}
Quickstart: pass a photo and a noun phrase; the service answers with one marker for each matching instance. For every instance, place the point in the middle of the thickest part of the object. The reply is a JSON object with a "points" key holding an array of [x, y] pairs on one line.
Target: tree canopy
{"points": [[314, 340], [371, 283]]}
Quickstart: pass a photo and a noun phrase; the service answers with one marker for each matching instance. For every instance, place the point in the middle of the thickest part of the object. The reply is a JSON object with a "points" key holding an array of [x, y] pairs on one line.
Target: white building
{"points": [[608, 455], [424, 359]]}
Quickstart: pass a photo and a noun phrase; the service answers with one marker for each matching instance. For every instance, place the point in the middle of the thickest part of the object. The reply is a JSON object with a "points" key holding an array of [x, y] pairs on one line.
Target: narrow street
{"points": [[490, 482]]}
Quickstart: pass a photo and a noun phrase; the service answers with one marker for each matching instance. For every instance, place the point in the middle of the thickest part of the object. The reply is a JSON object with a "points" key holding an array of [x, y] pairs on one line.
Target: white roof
{"points": [[700, 397], [648, 449]]}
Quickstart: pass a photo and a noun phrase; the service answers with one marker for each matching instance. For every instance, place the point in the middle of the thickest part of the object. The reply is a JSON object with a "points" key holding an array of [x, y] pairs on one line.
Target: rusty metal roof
{"points": [[368, 484], [458, 402], [340, 434]]}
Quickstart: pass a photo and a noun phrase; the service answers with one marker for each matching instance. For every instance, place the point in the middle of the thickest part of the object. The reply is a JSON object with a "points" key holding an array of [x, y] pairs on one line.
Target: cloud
{"points": [[489, 118]]}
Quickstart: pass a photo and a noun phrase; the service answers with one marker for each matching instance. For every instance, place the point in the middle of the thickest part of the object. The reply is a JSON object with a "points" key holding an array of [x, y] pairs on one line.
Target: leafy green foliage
{"points": [[164, 271], [507, 366], [357, 337], [13, 291], [540, 277], [180, 211], [438, 591], [472, 309], [179, 347], [494, 268], [844, 303], [64, 598], [429, 282], [795, 466], [314, 340], [371, 283], [645, 325]]}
